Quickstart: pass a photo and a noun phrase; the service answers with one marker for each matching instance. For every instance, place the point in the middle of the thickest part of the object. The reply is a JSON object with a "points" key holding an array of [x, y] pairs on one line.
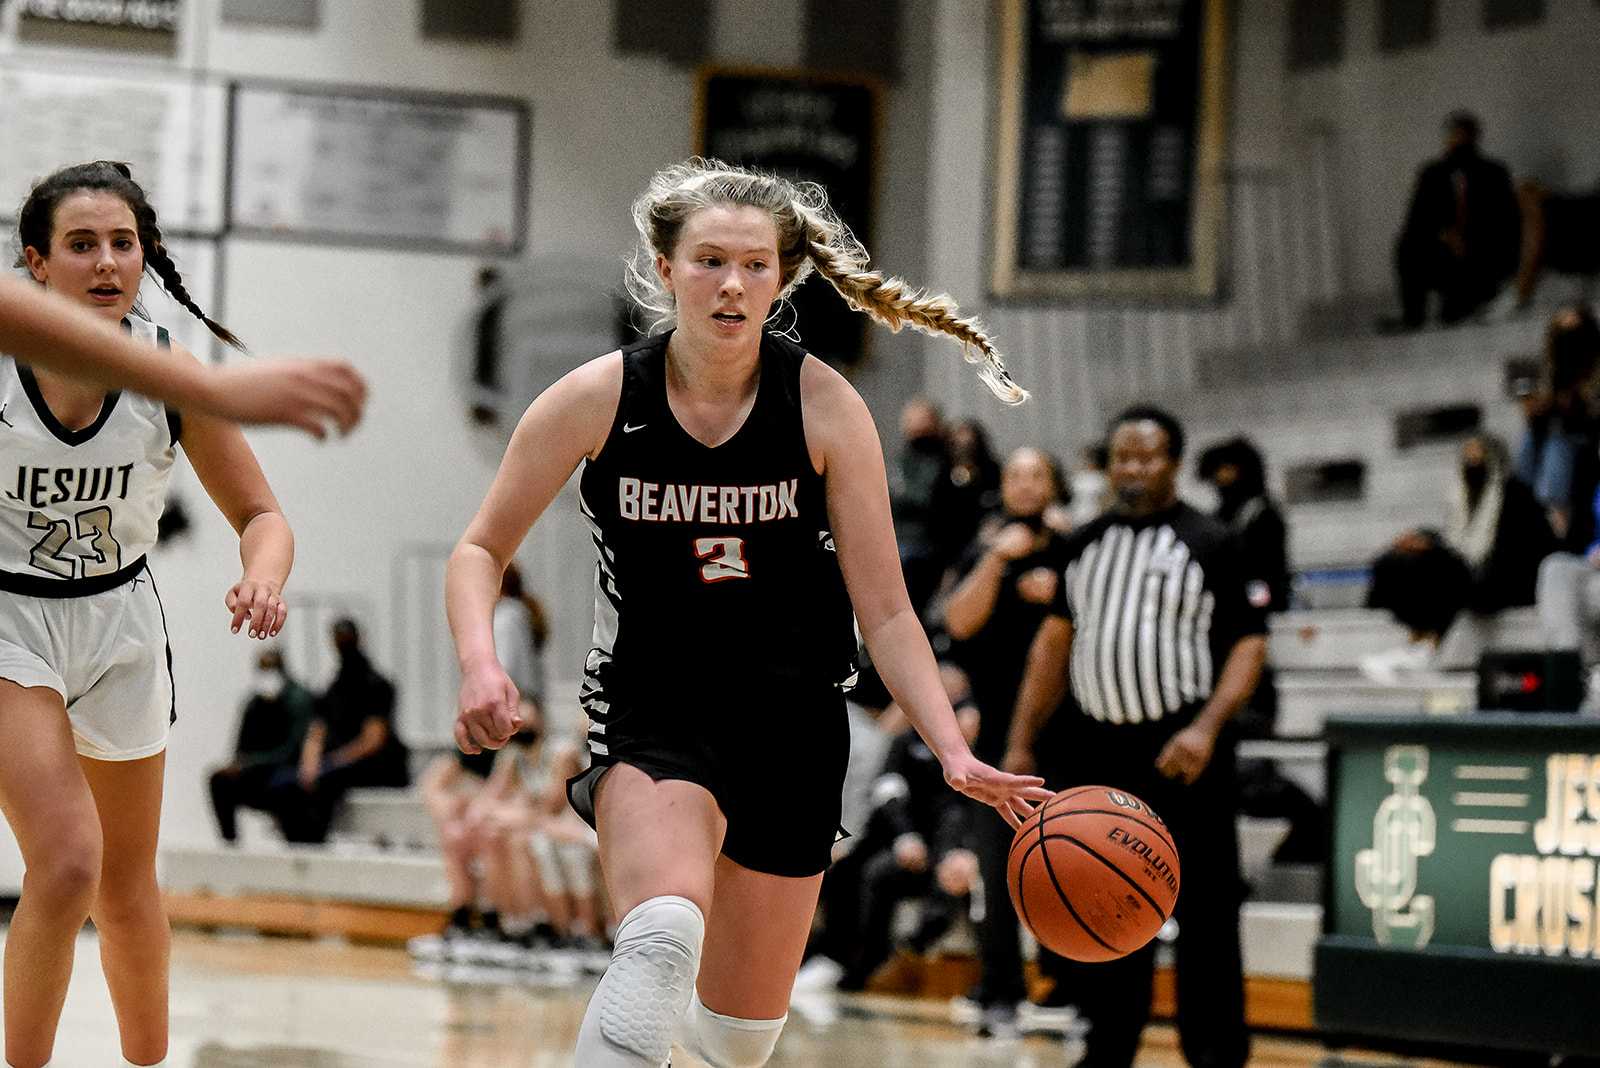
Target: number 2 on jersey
{"points": [[93, 528], [724, 559]]}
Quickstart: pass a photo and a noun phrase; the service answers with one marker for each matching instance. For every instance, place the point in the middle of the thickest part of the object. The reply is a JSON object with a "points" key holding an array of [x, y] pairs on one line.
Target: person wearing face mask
{"points": [[351, 742], [1486, 559], [272, 728], [1463, 231], [1009, 577], [920, 495], [1235, 469]]}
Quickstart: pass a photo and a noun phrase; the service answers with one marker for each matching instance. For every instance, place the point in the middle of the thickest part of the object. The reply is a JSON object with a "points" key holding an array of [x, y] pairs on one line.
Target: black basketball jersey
{"points": [[717, 573]]}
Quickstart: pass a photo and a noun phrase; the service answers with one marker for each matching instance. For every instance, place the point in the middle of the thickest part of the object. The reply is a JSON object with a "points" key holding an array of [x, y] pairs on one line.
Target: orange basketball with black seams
{"points": [[1093, 873]]}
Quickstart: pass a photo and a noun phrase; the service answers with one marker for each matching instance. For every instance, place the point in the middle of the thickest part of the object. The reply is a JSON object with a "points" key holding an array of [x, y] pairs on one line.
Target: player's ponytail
{"points": [[36, 224], [842, 260], [810, 235]]}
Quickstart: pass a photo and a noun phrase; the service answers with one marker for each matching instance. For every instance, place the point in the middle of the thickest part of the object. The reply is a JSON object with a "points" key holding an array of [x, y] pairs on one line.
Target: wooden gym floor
{"points": [[254, 1002]]}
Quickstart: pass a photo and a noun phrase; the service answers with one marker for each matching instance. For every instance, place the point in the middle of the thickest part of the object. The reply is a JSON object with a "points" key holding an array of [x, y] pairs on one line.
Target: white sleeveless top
{"points": [[78, 508]]}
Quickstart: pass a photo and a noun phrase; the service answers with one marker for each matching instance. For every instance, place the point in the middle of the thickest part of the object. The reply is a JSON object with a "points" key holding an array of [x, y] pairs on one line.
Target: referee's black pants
{"points": [[1114, 997], [1001, 980]]}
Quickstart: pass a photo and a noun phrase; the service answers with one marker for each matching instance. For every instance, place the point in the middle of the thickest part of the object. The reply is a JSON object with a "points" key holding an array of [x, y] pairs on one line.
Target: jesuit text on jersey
{"points": [[41, 486]]}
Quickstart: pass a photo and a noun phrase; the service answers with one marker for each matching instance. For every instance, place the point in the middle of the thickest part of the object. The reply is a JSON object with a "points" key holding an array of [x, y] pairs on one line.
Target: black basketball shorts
{"points": [[774, 764]]}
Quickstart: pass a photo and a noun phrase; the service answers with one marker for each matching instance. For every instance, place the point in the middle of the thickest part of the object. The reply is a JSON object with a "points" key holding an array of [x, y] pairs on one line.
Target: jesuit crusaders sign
{"points": [[158, 15]]}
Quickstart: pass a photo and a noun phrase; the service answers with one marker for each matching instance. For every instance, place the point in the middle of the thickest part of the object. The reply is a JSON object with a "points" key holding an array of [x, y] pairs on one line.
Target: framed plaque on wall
{"points": [[171, 130], [358, 166], [1111, 151]]}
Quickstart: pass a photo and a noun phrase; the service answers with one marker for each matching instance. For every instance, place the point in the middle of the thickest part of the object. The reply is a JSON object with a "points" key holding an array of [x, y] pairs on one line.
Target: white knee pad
{"points": [[727, 1041], [651, 978]]}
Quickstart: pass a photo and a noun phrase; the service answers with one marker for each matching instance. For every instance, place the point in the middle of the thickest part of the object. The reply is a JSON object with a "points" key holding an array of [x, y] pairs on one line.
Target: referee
{"points": [[1153, 627]]}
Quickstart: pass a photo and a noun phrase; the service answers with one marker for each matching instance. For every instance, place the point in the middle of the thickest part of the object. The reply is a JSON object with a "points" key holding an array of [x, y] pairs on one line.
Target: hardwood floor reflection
{"points": [[250, 1002]]}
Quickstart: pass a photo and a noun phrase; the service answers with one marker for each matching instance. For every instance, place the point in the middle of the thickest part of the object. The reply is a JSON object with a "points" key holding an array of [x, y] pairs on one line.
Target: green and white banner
{"points": [[1470, 839]]}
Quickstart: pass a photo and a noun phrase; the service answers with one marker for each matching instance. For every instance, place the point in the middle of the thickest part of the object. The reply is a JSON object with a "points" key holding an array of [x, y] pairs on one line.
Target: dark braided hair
{"points": [[36, 225]]}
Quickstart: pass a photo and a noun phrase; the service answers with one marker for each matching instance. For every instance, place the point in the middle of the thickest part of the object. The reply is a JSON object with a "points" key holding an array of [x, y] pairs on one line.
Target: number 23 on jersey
{"points": [[93, 530]]}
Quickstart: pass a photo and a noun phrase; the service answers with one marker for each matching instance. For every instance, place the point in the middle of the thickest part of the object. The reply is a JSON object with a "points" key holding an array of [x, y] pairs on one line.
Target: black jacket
{"points": [[1493, 234]]}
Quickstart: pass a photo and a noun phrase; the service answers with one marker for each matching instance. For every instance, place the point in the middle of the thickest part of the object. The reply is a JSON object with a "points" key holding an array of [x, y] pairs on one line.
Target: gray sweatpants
{"points": [[1569, 606]]}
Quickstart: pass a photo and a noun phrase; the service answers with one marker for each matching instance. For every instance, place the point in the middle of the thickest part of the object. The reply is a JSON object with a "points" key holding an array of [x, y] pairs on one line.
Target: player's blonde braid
{"points": [[842, 260]]}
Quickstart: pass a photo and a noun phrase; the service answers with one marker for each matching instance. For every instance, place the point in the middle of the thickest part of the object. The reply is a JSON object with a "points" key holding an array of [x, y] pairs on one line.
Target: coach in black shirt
{"points": [[1154, 630]]}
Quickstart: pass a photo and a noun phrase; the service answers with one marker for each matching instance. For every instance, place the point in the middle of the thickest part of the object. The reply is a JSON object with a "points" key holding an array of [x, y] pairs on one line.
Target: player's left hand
{"points": [[1008, 794], [1186, 754], [261, 603]]}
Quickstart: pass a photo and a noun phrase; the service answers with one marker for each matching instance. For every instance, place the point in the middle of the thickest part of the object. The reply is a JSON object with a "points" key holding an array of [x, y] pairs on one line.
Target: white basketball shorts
{"points": [[106, 654]]}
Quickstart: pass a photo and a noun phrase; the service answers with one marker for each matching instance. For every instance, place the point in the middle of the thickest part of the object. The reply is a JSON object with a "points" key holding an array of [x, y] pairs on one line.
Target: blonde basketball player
{"points": [[86, 695], [736, 489]]}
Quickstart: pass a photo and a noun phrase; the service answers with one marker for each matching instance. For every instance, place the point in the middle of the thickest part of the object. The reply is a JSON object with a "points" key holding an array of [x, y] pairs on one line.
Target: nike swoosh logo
{"points": [[628, 429]]}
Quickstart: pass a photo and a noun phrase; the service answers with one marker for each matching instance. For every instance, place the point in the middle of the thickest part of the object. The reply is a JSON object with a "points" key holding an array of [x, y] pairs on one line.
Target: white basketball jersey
{"points": [[78, 508]]}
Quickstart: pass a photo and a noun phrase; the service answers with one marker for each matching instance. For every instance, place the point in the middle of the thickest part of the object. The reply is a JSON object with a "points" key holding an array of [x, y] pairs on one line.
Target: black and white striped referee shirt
{"points": [[1156, 605]]}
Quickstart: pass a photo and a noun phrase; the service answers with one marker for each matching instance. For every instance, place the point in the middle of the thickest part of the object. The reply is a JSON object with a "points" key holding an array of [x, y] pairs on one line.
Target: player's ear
{"points": [[38, 266], [664, 271]]}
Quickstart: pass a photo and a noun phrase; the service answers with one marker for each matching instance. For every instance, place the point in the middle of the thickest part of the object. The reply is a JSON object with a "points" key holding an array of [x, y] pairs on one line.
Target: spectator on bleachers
{"points": [[1569, 612], [1561, 450], [1008, 578], [837, 929], [915, 846], [565, 850], [521, 629], [449, 784], [1236, 470], [1486, 559], [1557, 455], [1462, 234], [494, 889], [351, 743], [272, 728], [974, 482], [513, 848], [1090, 488], [921, 496], [1560, 232]]}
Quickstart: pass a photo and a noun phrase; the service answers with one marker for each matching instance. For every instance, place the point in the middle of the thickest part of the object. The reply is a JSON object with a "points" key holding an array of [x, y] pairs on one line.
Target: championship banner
{"points": [[1465, 851], [157, 15], [1112, 147], [812, 127]]}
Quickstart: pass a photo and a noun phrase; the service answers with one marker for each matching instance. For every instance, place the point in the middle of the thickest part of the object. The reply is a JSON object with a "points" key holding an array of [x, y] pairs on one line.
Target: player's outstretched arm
{"points": [[226, 466], [48, 331], [844, 443], [566, 423]]}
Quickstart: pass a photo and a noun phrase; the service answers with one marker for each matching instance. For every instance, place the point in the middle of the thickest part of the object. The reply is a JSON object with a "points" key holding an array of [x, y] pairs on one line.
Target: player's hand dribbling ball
{"points": [[1093, 873]]}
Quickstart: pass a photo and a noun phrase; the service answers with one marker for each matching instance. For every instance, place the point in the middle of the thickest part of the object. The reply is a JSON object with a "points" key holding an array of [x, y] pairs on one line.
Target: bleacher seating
{"points": [[386, 817], [366, 875]]}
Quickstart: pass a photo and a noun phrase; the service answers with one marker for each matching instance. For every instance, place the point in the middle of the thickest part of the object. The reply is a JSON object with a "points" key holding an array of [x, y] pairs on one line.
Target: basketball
{"points": [[1093, 873]]}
